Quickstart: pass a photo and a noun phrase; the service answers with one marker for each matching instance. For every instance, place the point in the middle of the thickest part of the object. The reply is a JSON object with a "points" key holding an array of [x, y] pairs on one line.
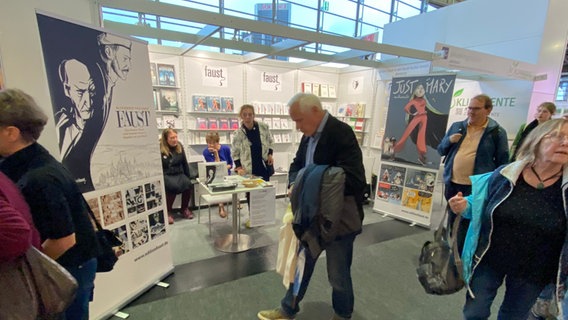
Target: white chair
{"points": [[210, 200]]}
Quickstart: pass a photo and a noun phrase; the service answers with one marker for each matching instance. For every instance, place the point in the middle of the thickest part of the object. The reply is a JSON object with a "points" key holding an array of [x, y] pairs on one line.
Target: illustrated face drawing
{"points": [[121, 62], [78, 86]]}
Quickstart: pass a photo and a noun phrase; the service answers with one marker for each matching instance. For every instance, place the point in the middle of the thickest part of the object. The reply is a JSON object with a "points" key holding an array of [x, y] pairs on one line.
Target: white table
{"points": [[235, 241]]}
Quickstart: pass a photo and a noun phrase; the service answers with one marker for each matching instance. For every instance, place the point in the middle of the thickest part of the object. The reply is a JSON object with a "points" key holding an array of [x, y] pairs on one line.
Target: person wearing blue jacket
{"points": [[472, 146], [517, 233]]}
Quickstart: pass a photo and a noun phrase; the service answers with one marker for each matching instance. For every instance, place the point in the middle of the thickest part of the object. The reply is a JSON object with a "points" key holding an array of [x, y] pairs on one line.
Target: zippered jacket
{"points": [[488, 191], [492, 151]]}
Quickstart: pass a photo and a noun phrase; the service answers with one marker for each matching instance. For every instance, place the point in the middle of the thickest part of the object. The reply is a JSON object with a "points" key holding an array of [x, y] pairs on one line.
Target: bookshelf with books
{"points": [[275, 115], [168, 100], [353, 114]]}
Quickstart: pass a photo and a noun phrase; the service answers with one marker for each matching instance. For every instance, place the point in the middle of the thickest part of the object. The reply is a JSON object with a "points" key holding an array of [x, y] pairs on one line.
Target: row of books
{"points": [[354, 109], [203, 103], [168, 121], [214, 124], [270, 108], [323, 90], [357, 124], [166, 100], [197, 137], [163, 74]]}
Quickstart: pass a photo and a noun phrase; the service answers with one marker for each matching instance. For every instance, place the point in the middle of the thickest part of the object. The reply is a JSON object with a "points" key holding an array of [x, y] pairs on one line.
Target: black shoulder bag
{"points": [[440, 267], [107, 240]]}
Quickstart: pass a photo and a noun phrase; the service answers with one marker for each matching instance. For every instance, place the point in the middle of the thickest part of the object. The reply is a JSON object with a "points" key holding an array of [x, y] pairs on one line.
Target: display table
{"points": [[235, 241]]}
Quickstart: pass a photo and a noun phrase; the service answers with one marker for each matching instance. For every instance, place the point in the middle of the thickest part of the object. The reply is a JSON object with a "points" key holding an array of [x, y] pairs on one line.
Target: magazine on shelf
{"points": [[224, 124], [213, 124], [359, 124], [349, 109], [201, 123], [276, 123], [360, 110], [223, 138], [285, 137], [284, 123], [331, 91], [227, 104], [169, 100], [268, 122], [234, 123], [199, 103], [159, 122], [277, 138], [306, 87], [269, 108], [156, 95], [277, 108], [351, 122], [170, 121], [166, 75], [328, 107], [154, 74], [324, 90], [316, 89], [341, 110], [213, 104], [257, 107]]}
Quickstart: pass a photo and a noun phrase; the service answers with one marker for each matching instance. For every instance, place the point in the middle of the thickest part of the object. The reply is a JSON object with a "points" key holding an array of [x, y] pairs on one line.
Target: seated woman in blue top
{"points": [[517, 233], [216, 152]]}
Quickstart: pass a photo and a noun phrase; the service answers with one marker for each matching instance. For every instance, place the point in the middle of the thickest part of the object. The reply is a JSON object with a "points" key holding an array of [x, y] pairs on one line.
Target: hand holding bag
{"points": [[287, 250], [34, 286], [107, 240], [440, 267]]}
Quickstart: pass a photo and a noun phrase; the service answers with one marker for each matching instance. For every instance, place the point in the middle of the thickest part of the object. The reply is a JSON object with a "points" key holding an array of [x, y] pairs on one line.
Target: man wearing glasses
{"points": [[475, 145]]}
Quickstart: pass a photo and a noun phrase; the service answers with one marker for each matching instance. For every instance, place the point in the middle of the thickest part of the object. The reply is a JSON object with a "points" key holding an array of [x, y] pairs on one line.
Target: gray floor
{"points": [[208, 284]]}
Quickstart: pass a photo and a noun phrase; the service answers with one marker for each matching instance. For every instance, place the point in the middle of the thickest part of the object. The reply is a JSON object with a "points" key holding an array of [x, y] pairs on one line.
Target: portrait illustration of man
{"points": [[79, 88]]}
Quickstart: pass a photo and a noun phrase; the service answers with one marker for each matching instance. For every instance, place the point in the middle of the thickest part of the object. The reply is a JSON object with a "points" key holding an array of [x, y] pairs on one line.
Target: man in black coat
{"points": [[327, 141]]}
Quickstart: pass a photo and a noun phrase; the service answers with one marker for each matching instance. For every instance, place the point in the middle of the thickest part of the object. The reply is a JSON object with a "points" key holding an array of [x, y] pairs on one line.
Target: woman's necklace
{"points": [[541, 182]]}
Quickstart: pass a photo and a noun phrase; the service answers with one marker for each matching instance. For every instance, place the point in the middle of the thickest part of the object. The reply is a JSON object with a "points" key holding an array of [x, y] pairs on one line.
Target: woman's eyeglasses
{"points": [[557, 138]]}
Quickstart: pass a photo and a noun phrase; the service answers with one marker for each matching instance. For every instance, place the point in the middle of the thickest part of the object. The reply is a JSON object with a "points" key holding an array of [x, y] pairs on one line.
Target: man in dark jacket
{"points": [[473, 146], [327, 141]]}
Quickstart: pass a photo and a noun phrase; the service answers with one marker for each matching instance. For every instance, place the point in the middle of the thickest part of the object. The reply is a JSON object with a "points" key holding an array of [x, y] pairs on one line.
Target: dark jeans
{"points": [[85, 276], [339, 255], [451, 190], [519, 295]]}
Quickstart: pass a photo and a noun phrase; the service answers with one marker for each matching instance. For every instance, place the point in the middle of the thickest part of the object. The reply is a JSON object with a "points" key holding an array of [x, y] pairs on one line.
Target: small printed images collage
{"points": [[202, 103], [164, 75], [131, 214], [408, 187]]}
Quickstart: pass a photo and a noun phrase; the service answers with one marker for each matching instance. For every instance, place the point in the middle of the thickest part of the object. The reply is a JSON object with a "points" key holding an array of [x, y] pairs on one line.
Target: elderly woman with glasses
{"points": [[517, 233]]}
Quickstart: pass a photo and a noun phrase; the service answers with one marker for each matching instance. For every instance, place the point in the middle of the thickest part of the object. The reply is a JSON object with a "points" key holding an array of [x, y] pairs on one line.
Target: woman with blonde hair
{"points": [[517, 233], [176, 173]]}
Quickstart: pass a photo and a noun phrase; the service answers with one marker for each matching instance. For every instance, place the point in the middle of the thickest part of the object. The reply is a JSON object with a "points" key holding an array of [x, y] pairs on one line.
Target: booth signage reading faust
{"points": [[105, 123]]}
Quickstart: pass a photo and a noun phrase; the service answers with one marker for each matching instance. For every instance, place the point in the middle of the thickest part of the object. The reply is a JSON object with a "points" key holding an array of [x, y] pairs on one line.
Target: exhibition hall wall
{"points": [[534, 33]]}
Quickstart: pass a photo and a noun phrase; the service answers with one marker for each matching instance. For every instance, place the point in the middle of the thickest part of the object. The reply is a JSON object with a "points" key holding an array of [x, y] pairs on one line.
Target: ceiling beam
{"points": [[277, 48], [211, 18], [182, 37], [204, 34]]}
